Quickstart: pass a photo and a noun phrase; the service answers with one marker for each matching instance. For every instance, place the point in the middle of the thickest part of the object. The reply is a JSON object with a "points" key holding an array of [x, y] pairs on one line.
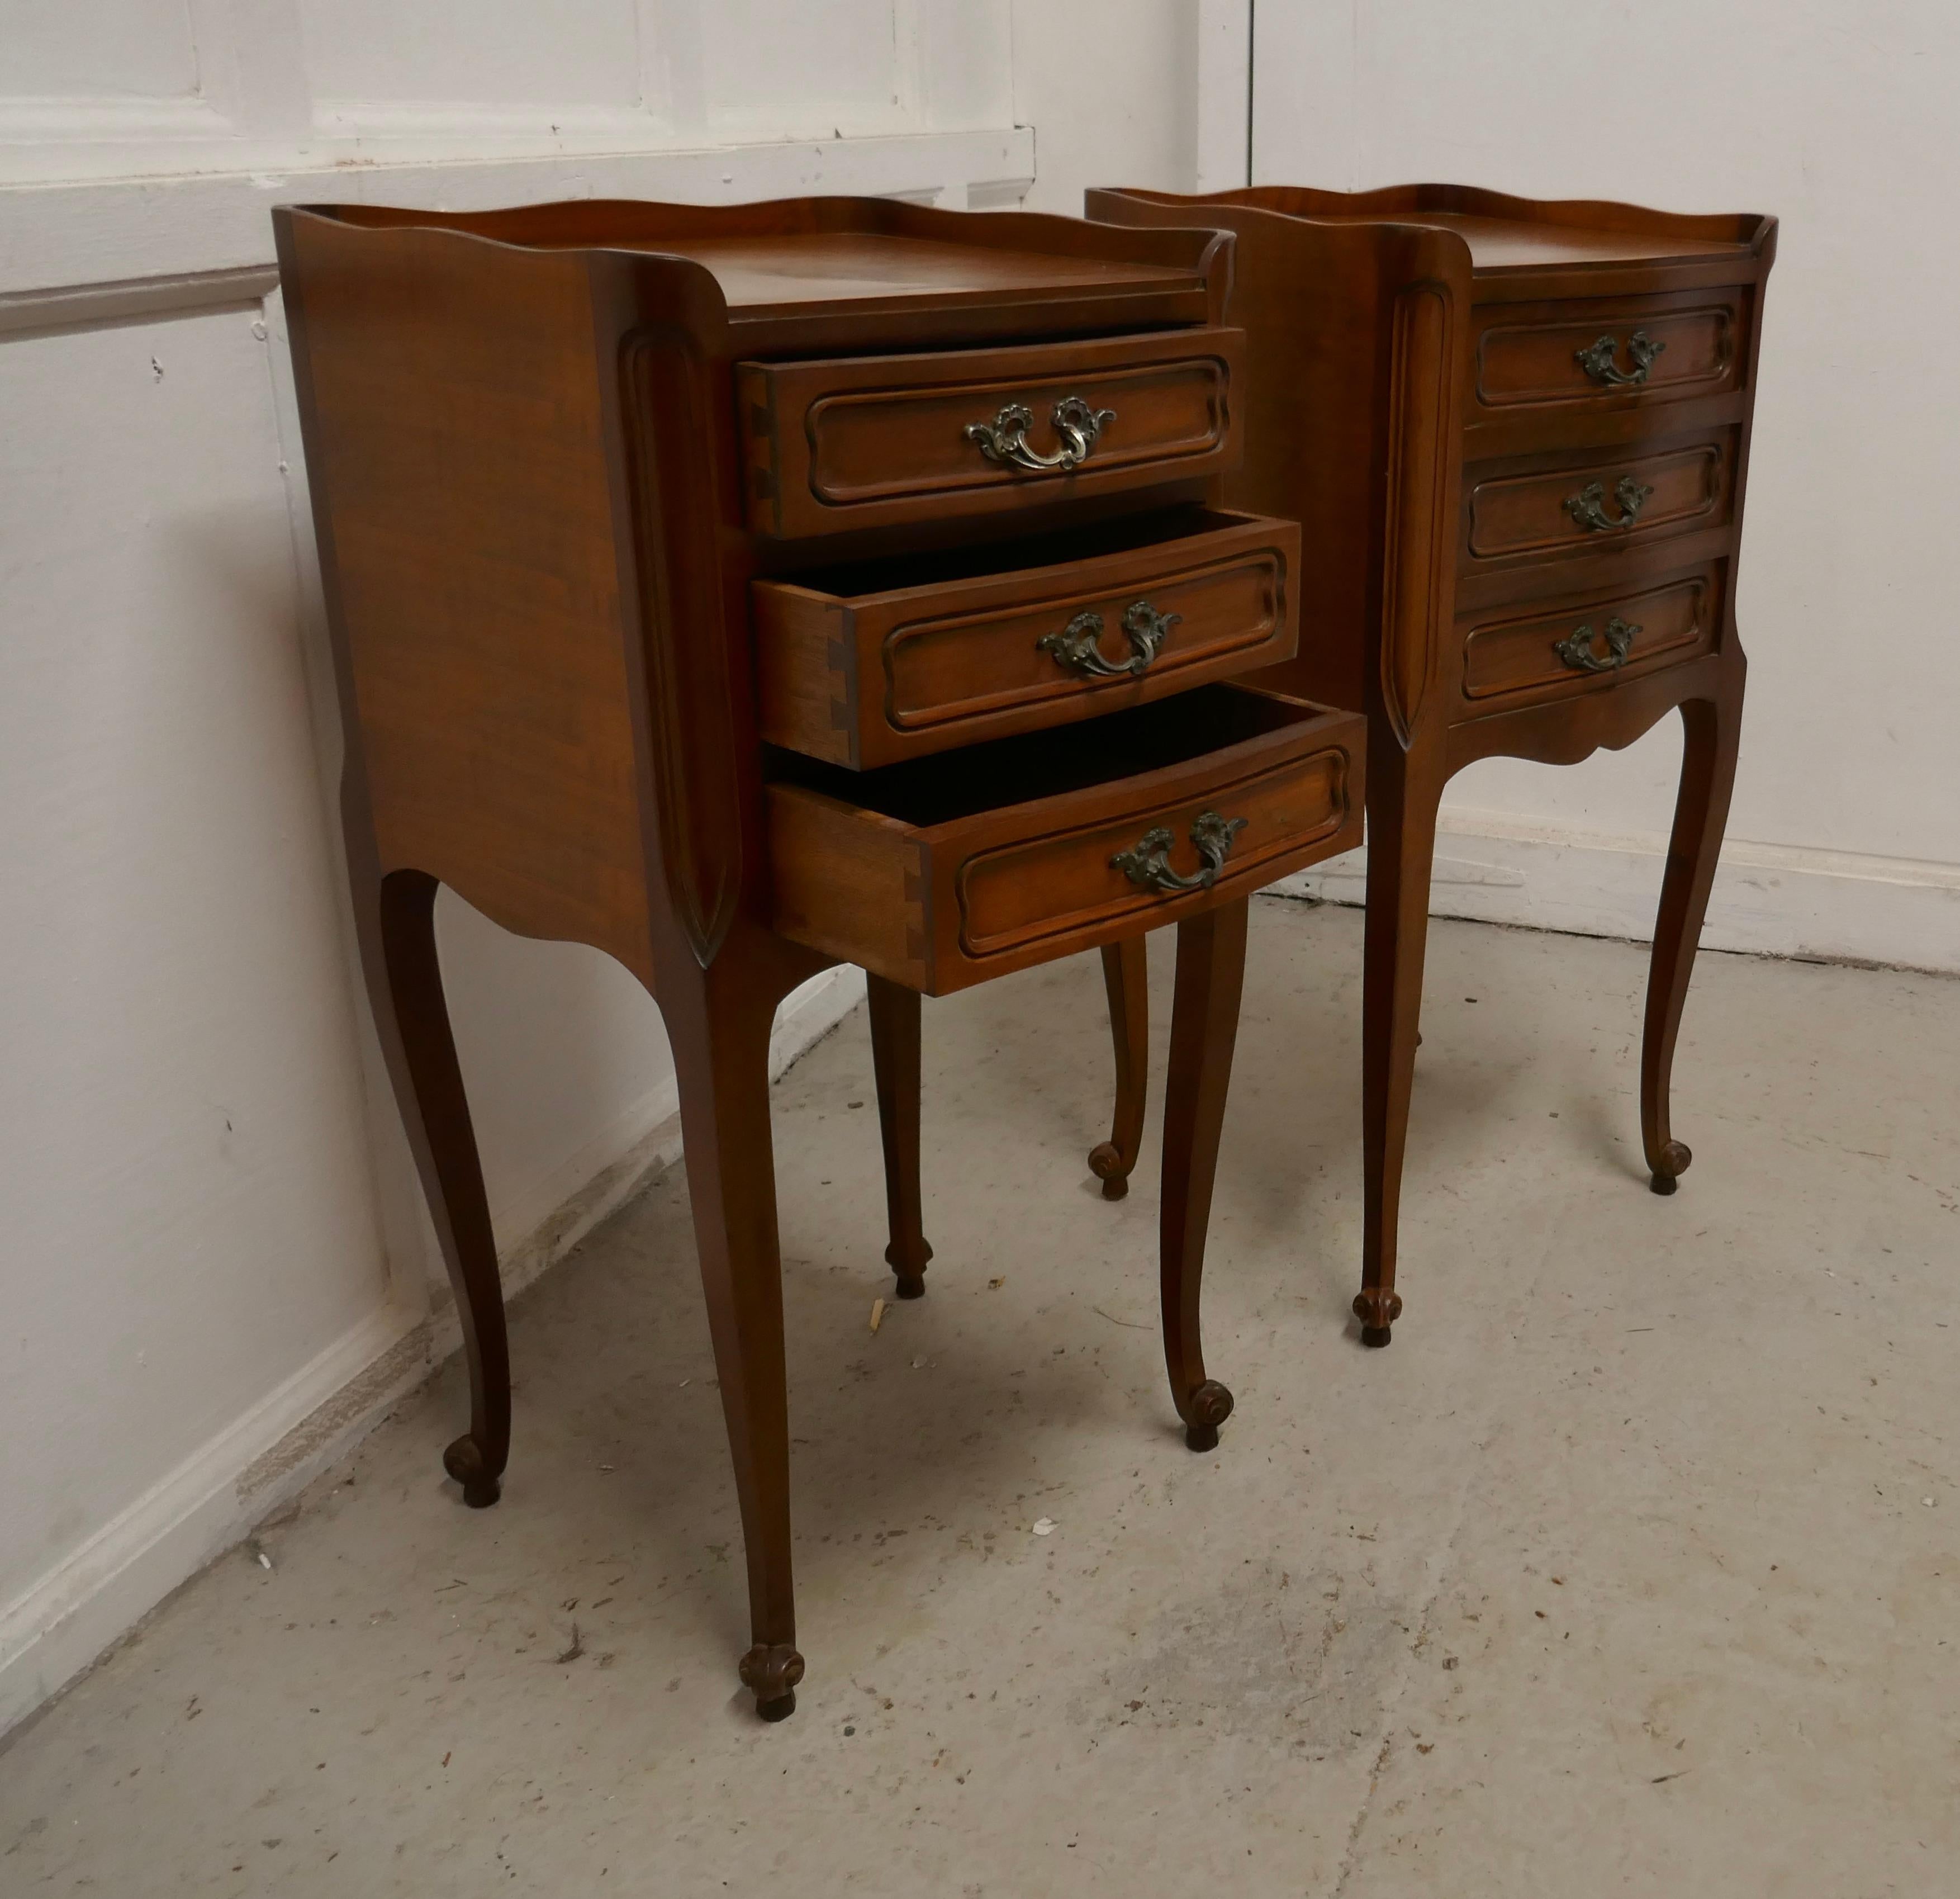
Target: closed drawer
{"points": [[869, 665], [1582, 644], [1625, 351], [871, 441], [952, 869], [1592, 503]]}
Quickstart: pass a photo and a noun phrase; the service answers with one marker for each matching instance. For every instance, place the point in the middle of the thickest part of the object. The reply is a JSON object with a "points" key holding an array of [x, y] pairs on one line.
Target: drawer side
{"points": [[851, 883]]}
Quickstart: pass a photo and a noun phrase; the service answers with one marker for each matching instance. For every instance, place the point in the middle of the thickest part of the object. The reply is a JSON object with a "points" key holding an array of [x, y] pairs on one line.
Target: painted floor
{"points": [[1633, 1565]]}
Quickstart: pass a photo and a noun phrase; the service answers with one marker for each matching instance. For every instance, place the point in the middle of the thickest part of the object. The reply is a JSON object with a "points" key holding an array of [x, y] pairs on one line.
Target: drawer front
{"points": [[1628, 352], [1059, 885], [868, 679], [1581, 644], [1125, 834], [858, 442], [1594, 505]]}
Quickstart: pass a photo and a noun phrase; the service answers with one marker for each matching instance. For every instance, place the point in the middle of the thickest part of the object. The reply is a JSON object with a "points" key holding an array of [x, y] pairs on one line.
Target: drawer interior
{"points": [[1124, 534], [950, 785]]}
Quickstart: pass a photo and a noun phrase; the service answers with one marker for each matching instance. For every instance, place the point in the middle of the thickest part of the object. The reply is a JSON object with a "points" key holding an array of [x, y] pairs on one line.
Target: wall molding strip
{"points": [[133, 300]]}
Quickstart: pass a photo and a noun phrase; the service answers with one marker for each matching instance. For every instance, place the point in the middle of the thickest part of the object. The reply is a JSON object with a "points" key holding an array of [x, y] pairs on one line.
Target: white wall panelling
{"points": [[1224, 94], [142, 53], [1109, 87], [375, 57], [1846, 825], [220, 1266], [181, 1136], [99, 88]]}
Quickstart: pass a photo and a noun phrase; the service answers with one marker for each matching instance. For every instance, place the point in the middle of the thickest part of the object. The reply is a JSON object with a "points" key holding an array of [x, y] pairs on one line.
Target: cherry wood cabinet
{"points": [[1516, 435], [742, 590]]}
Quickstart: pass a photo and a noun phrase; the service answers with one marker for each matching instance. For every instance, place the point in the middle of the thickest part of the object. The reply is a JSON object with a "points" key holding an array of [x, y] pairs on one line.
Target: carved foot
{"points": [[909, 1266], [1378, 1308], [1106, 1164], [773, 1674], [1674, 1159], [464, 1462], [1206, 1409]]}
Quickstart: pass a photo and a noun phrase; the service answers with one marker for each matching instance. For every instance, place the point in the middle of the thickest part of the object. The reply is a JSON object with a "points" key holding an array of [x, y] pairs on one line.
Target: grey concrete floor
{"points": [[1633, 1565]]}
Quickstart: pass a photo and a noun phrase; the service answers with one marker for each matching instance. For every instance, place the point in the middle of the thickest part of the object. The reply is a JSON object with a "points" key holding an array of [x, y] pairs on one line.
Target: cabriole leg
{"points": [[1126, 977], [1402, 800], [720, 1037], [1711, 730], [395, 917], [1204, 1024], [894, 1010]]}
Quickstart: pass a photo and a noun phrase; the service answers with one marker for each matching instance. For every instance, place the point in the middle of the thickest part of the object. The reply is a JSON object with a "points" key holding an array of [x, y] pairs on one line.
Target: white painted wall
{"points": [[1837, 116], [217, 1260], [188, 1207], [1110, 86]]}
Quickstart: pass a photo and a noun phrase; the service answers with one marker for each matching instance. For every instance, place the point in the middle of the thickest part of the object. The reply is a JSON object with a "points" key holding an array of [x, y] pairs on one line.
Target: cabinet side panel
{"points": [[1306, 297], [455, 446]]}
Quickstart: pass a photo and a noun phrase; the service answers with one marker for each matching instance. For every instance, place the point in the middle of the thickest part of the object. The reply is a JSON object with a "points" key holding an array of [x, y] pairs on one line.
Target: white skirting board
{"points": [[69, 1617], [1768, 900]]}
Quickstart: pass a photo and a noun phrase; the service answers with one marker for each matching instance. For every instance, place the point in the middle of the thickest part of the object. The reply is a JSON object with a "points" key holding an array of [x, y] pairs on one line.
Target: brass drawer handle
{"points": [[1148, 864], [1597, 360], [1577, 651], [1005, 438], [1588, 507], [1076, 647]]}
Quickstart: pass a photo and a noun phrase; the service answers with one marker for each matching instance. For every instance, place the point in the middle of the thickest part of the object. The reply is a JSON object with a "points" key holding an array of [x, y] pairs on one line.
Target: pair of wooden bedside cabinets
{"points": [[743, 591]]}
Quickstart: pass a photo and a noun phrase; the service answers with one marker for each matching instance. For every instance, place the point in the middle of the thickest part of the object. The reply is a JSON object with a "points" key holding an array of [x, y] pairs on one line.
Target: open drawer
{"points": [[953, 868], [869, 665], [872, 442]]}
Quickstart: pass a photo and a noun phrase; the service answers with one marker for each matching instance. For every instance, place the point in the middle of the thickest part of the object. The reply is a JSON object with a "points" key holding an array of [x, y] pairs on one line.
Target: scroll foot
{"points": [[464, 1462], [1207, 1408], [1674, 1159], [1378, 1308], [908, 1263], [772, 1673], [1109, 1167]]}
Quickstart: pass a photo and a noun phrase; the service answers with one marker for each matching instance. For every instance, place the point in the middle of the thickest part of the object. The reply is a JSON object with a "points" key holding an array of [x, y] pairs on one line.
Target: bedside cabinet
{"points": [[1517, 436], [744, 590]]}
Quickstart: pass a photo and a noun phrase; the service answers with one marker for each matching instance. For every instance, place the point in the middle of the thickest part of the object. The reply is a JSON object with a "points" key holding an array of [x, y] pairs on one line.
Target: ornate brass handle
{"points": [[1577, 651], [1588, 507], [1075, 648], [1597, 360], [1005, 438], [1148, 863]]}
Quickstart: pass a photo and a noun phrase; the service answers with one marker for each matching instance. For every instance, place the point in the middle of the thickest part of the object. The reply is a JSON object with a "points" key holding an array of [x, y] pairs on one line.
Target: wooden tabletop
{"points": [[827, 275], [772, 275], [1505, 244]]}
